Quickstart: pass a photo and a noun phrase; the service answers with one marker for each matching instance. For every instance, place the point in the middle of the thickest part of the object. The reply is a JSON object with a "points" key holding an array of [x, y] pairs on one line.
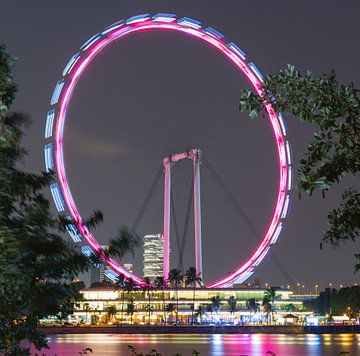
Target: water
{"points": [[212, 345]]}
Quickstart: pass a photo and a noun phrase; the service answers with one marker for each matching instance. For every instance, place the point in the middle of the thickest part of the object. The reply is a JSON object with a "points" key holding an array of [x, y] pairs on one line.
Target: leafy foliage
{"points": [[334, 151], [337, 302], [36, 264]]}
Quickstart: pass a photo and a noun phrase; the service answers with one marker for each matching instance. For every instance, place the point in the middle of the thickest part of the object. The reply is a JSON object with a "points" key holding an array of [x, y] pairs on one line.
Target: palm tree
{"points": [[290, 308], [111, 311], [232, 306], [161, 283], [147, 288], [200, 312], [192, 279], [270, 294], [120, 284], [215, 304], [267, 307], [130, 309], [170, 309], [87, 308], [252, 305], [269, 298], [175, 279]]}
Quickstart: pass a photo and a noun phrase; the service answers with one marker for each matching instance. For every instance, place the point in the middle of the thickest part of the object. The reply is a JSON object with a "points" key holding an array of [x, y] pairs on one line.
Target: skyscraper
{"points": [[153, 255], [97, 274]]}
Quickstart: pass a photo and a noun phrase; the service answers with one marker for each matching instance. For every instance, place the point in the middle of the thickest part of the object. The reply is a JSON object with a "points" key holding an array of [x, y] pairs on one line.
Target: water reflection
{"points": [[212, 345]]}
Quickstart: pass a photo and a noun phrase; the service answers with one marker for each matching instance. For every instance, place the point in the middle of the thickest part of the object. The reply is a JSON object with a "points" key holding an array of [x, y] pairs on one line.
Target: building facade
{"points": [[98, 273], [153, 256], [206, 306]]}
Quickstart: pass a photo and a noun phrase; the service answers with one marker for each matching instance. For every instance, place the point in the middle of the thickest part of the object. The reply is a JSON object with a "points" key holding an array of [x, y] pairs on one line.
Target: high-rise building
{"points": [[97, 274], [153, 255], [129, 267]]}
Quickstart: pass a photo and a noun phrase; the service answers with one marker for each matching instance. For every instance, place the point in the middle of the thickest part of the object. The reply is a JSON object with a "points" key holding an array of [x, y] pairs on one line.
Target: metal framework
{"points": [[195, 155], [60, 101]]}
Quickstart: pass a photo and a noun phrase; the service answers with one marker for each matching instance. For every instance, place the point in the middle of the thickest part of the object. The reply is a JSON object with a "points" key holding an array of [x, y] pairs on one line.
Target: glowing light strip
{"points": [[243, 277], [49, 160], [73, 232], [58, 200], [256, 71], [114, 26], [90, 41], [86, 250], [288, 152], [214, 33], [237, 50], [138, 18], [111, 274], [262, 256], [286, 207], [290, 178], [253, 75], [57, 91], [282, 123], [276, 234], [70, 64], [187, 21], [164, 17], [49, 123]]}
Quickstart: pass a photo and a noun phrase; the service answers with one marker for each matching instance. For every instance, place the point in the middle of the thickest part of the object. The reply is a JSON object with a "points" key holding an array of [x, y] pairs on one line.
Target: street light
{"points": [[316, 288]]}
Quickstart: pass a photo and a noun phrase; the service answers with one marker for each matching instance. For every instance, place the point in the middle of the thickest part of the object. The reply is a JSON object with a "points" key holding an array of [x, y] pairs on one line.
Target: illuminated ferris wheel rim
{"points": [[54, 159]]}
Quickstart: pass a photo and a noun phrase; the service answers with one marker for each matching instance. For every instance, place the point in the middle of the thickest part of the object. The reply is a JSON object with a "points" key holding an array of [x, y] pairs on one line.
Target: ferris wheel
{"points": [[56, 116]]}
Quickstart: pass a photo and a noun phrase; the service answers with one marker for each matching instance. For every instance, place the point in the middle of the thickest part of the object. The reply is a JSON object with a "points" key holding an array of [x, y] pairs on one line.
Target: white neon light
{"points": [[138, 18], [111, 274], [90, 41], [262, 256], [188, 22], [288, 152], [244, 277], [238, 51], [282, 123], [57, 197], [289, 178], [49, 158], [163, 17], [49, 123], [86, 250], [256, 71], [73, 232], [113, 27], [276, 234], [57, 91], [70, 64], [286, 207], [214, 33]]}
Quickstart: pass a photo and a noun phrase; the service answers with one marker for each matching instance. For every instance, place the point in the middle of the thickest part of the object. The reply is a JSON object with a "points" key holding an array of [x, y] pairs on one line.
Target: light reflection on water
{"points": [[212, 345]]}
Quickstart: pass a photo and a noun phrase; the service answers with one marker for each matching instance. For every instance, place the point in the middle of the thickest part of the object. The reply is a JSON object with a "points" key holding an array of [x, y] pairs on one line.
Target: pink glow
{"points": [[64, 100]]}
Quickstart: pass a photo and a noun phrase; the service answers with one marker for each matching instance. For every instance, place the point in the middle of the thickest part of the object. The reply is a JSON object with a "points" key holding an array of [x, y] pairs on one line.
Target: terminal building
{"points": [[153, 256], [224, 306]]}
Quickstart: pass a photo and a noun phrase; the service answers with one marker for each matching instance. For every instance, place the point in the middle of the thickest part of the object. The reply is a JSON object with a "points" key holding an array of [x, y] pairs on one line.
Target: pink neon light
{"points": [[84, 60]]}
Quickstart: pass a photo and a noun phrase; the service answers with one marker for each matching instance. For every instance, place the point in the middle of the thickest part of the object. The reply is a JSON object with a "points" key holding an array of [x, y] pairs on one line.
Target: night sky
{"points": [[158, 93]]}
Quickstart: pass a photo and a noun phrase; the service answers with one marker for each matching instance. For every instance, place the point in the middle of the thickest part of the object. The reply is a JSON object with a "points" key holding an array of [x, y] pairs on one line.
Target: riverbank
{"points": [[228, 329]]}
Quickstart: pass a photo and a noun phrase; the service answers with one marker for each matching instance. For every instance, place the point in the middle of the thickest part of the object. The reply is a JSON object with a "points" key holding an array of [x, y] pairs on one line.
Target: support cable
{"points": [[186, 224], [147, 199], [176, 226], [256, 233]]}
